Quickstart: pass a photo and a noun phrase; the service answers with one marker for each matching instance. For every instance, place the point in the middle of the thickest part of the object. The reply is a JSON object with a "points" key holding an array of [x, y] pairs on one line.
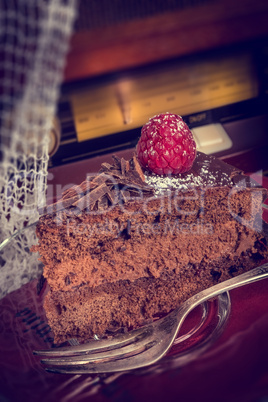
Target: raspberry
{"points": [[166, 145]]}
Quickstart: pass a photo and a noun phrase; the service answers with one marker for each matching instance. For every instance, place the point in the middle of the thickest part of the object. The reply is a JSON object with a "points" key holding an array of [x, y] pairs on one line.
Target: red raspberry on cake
{"points": [[166, 145]]}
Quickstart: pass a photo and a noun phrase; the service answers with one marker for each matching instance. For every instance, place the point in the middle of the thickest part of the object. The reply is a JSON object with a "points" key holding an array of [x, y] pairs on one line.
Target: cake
{"points": [[128, 244]]}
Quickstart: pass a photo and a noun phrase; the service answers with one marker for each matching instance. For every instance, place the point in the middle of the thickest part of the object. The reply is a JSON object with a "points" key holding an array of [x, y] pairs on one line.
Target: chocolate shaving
{"points": [[116, 174], [117, 161], [137, 169], [71, 192], [99, 179], [102, 203], [112, 196], [125, 195], [89, 200], [84, 187], [115, 183], [124, 166], [87, 185], [106, 167], [135, 191], [131, 180]]}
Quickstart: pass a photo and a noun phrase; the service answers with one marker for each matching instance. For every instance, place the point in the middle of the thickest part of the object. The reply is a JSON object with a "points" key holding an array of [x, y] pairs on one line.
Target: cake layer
{"points": [[172, 249], [124, 304], [128, 242], [123, 247]]}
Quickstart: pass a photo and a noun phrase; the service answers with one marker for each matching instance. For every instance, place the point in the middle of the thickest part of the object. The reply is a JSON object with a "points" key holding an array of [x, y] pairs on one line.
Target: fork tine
{"points": [[121, 353], [98, 346], [132, 362]]}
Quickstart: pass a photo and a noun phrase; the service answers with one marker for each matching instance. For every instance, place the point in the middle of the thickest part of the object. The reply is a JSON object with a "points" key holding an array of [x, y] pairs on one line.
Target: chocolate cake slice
{"points": [[127, 245]]}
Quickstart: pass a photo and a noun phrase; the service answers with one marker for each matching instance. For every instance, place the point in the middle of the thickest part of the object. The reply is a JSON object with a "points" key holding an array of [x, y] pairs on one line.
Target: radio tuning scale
{"points": [[184, 88]]}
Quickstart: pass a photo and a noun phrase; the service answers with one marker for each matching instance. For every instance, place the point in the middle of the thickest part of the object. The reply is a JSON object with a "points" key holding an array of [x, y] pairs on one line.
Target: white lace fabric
{"points": [[34, 39]]}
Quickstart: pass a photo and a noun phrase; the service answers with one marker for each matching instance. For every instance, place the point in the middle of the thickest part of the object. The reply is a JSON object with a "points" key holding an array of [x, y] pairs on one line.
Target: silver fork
{"points": [[6, 241], [141, 347]]}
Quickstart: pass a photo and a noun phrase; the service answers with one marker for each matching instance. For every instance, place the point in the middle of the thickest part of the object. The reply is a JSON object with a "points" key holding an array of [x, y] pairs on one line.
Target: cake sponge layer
{"points": [[124, 304], [93, 249], [124, 247]]}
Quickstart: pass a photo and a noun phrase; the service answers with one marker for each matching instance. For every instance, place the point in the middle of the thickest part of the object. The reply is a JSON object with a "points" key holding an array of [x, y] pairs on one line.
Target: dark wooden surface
{"points": [[161, 37]]}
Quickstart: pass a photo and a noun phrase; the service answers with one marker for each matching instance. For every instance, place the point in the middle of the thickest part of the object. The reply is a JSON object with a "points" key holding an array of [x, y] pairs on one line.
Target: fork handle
{"points": [[253, 275], [177, 316]]}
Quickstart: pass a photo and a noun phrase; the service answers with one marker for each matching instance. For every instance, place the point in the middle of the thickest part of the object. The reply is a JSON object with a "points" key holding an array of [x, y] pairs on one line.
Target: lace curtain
{"points": [[34, 41]]}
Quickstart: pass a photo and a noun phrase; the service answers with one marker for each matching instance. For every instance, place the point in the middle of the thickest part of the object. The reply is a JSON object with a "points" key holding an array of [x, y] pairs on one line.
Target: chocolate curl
{"points": [[105, 167], [137, 169], [113, 196], [84, 187], [89, 200], [114, 184], [124, 166], [117, 161]]}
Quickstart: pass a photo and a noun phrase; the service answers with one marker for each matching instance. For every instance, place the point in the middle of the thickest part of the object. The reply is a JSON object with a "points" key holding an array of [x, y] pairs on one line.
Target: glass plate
{"points": [[202, 327], [23, 328]]}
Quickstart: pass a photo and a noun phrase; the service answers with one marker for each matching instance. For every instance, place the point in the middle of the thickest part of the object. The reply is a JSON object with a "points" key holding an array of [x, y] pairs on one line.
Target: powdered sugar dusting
{"points": [[206, 172]]}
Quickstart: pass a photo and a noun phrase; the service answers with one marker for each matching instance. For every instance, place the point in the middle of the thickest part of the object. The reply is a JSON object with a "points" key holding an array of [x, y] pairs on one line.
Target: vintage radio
{"points": [[219, 87]]}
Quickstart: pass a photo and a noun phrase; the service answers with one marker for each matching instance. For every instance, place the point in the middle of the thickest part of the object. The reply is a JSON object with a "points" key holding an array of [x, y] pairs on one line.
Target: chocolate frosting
{"points": [[207, 171], [118, 182]]}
